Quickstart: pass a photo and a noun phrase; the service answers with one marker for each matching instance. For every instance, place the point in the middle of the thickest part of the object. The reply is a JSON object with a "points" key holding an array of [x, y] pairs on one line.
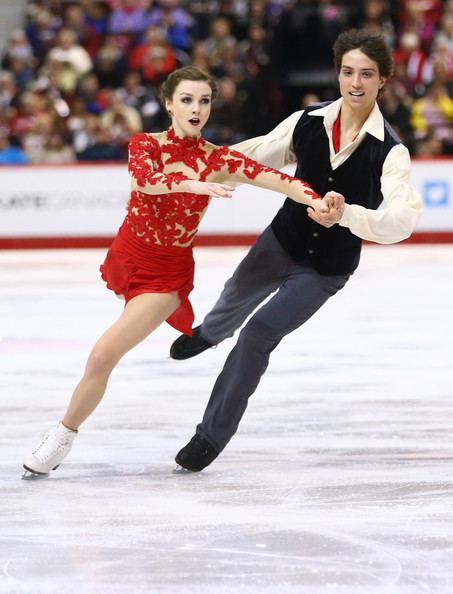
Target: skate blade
{"points": [[31, 475], [178, 469], [28, 475]]}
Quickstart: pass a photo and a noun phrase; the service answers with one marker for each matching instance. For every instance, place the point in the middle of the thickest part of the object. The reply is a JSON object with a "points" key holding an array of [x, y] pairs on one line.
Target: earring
{"points": [[170, 114]]}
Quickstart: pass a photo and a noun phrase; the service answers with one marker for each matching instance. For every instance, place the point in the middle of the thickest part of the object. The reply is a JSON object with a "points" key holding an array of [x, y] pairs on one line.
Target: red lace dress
{"points": [[152, 252]]}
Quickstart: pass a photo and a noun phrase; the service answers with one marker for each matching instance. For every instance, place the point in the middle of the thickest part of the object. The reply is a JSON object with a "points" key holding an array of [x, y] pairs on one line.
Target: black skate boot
{"points": [[186, 347], [197, 454]]}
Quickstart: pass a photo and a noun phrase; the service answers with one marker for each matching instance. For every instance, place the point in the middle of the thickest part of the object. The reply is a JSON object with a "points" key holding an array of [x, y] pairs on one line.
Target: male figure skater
{"points": [[307, 256]]}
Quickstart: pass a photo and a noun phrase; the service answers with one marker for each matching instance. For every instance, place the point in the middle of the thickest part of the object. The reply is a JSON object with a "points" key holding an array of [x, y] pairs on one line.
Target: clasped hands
{"points": [[327, 211]]}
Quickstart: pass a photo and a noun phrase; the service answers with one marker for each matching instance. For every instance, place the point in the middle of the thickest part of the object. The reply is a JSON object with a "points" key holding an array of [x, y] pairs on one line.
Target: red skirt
{"points": [[133, 267]]}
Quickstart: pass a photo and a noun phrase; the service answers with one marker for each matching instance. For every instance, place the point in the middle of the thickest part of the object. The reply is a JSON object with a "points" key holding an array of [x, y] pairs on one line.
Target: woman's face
{"points": [[190, 107], [359, 80]]}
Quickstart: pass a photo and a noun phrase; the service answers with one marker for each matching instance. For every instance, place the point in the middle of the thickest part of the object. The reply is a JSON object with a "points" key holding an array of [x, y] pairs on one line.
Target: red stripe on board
{"points": [[430, 237], [203, 240], [224, 240], [33, 243]]}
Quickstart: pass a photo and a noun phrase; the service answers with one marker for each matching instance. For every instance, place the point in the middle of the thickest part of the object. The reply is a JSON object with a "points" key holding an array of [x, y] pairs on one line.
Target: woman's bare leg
{"points": [[140, 317]]}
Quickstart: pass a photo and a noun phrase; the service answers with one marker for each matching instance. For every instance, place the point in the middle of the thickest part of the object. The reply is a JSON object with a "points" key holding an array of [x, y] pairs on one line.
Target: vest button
{"points": [[311, 252], [315, 234], [330, 179]]}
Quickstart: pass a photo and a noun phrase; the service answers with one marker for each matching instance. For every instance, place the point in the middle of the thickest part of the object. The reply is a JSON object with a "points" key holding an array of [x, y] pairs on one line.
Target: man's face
{"points": [[359, 80]]}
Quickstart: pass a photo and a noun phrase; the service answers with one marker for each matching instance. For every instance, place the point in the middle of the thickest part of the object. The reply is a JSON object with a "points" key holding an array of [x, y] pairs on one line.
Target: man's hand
{"points": [[329, 210]]}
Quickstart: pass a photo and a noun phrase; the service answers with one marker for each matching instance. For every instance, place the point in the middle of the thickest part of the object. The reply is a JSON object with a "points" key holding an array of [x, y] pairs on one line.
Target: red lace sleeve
{"points": [[146, 166], [251, 169], [230, 165]]}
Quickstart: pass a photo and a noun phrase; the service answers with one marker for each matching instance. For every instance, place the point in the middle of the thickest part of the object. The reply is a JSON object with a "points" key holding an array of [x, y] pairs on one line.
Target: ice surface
{"points": [[340, 479]]}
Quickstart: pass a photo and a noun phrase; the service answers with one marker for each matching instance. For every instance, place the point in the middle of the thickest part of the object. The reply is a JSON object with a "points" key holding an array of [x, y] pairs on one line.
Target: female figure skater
{"points": [[150, 262]]}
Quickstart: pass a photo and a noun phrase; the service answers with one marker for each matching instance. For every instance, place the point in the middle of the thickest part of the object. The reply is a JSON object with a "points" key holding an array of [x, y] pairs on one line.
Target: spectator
{"points": [[127, 18], [88, 22], [155, 58], [231, 64], [22, 118], [8, 91], [226, 115], [396, 108], [218, 42], [134, 94], [442, 50], [199, 56], [78, 125], [154, 38], [432, 115], [255, 50], [61, 72], [264, 13], [121, 120], [74, 19], [175, 21], [89, 90], [110, 64], [57, 151], [412, 62], [53, 85], [101, 146], [41, 30], [421, 17], [202, 12], [377, 19], [18, 47], [19, 59], [85, 137], [44, 123], [96, 21], [68, 51], [9, 153], [429, 147]]}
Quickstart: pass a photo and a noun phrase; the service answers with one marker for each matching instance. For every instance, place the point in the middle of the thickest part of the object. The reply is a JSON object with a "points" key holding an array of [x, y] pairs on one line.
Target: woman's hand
{"points": [[211, 189]]}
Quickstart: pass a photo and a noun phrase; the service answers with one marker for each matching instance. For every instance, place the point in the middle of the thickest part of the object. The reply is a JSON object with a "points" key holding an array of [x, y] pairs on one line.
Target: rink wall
{"points": [[83, 205]]}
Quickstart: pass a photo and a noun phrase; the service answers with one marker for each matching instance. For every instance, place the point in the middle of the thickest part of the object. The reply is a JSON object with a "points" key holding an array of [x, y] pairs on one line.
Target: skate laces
{"points": [[45, 437], [60, 442]]}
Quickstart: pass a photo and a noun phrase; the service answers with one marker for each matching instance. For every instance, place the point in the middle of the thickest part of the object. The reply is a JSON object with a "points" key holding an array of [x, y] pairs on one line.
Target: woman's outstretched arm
{"points": [[148, 173], [232, 166]]}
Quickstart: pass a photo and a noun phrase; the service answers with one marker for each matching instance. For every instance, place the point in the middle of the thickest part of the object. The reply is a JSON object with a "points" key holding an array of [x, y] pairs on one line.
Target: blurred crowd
{"points": [[81, 76]]}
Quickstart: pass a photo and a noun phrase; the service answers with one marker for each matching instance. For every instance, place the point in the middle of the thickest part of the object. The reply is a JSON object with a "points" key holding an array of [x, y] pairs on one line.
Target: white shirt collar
{"points": [[374, 124]]}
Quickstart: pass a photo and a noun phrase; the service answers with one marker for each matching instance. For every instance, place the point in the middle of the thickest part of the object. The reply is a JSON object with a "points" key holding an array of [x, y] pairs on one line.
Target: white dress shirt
{"points": [[397, 216]]}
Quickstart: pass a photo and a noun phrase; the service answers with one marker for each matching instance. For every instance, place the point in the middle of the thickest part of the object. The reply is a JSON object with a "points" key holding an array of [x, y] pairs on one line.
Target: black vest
{"points": [[335, 250]]}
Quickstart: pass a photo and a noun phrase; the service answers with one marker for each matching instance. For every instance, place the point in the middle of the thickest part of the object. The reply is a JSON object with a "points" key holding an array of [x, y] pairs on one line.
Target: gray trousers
{"points": [[301, 291]]}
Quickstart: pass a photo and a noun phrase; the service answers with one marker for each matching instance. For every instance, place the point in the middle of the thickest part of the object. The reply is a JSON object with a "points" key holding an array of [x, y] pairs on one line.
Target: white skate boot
{"points": [[55, 446]]}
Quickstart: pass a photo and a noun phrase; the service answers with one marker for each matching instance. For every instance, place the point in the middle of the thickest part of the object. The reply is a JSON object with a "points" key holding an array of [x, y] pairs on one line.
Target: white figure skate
{"points": [[55, 446]]}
